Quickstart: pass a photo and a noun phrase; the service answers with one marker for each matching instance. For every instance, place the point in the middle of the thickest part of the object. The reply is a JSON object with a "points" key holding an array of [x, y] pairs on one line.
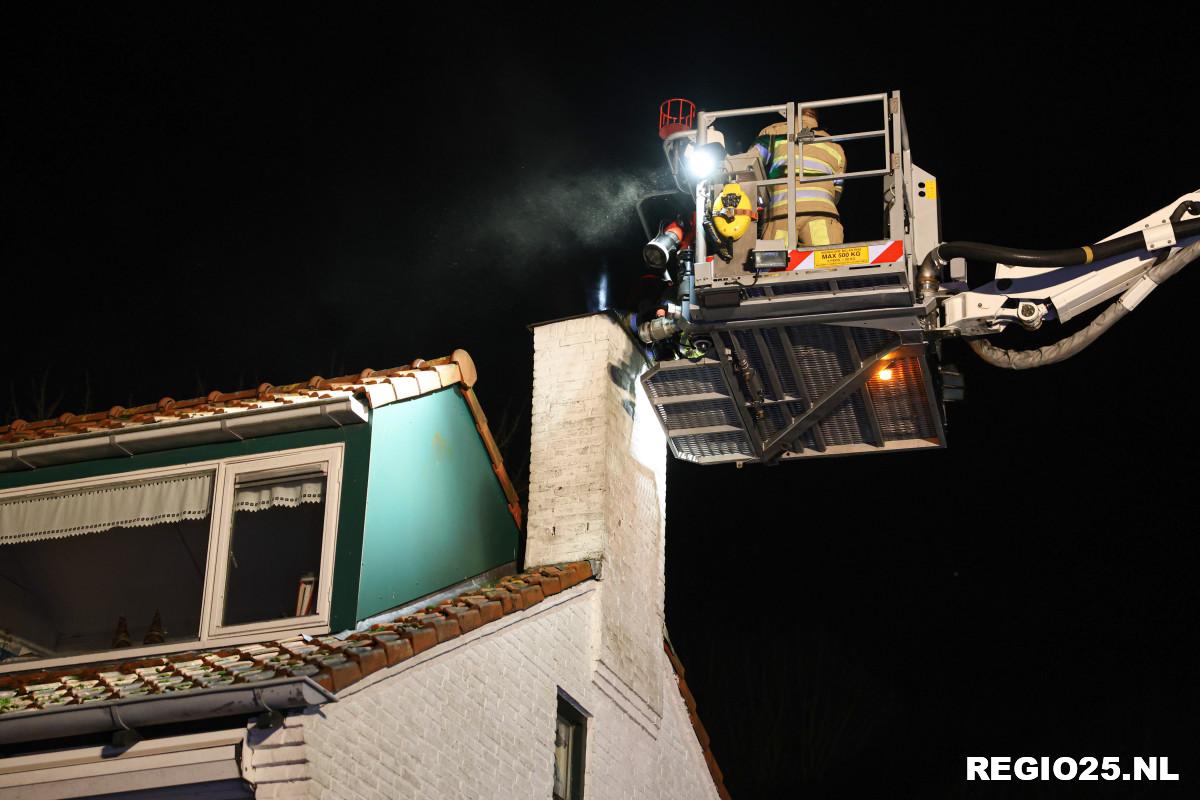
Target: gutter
{"points": [[170, 434], [144, 711]]}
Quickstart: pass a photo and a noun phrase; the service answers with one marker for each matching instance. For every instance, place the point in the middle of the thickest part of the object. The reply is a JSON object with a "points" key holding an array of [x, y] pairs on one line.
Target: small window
{"points": [[570, 746], [274, 549]]}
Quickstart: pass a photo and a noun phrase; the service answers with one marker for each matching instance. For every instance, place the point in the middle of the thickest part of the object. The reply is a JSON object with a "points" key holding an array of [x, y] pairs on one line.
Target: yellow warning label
{"points": [[840, 257], [931, 189]]}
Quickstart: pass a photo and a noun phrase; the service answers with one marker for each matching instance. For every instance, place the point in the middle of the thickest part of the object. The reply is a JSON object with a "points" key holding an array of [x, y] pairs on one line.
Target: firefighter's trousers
{"points": [[811, 229]]}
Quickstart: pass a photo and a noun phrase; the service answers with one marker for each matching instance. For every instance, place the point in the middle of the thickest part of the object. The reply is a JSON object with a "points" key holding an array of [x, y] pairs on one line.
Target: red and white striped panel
{"points": [[851, 256]]}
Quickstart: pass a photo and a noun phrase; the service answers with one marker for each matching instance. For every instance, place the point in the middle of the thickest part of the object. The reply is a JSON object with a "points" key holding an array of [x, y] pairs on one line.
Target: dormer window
{"points": [[90, 568], [280, 515], [205, 553], [275, 536]]}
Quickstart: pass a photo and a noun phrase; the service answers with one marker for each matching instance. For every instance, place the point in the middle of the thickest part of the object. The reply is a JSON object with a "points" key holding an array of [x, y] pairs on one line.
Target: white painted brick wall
{"points": [[597, 486], [475, 718], [567, 480], [276, 761]]}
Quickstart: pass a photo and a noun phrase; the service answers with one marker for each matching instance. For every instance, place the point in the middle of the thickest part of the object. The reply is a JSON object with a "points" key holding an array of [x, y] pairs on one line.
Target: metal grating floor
{"points": [[707, 409], [699, 414], [727, 446]]}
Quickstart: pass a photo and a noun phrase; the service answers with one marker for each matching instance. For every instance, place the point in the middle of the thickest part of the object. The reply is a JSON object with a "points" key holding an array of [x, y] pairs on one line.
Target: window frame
{"points": [[569, 709], [328, 458], [221, 538]]}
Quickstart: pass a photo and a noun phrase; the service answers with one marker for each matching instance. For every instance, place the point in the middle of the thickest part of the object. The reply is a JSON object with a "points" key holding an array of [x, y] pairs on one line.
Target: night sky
{"points": [[214, 199]]}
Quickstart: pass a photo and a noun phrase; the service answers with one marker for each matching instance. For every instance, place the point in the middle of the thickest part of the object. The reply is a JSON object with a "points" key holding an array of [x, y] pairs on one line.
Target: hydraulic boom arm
{"points": [[1127, 265]]}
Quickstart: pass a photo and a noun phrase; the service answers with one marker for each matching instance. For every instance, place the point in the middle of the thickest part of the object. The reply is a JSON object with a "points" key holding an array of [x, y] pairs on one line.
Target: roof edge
{"points": [[158, 709], [494, 455], [171, 434], [226, 416], [689, 703]]}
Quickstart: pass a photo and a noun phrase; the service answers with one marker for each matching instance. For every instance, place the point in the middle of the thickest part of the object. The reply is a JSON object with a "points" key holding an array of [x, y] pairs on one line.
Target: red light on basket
{"points": [[675, 115]]}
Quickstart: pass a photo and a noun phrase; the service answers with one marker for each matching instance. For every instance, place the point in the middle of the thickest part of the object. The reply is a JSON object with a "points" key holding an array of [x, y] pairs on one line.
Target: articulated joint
{"points": [[929, 276]]}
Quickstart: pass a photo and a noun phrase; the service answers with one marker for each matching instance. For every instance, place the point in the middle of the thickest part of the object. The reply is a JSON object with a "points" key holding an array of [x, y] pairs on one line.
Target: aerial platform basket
{"points": [[807, 350]]}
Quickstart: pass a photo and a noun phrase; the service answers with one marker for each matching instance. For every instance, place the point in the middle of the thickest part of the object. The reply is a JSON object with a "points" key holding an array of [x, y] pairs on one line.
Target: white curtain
{"points": [[130, 505], [285, 493]]}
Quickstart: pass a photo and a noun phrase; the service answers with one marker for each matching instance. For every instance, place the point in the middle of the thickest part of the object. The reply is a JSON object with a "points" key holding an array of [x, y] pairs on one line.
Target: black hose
{"points": [[1187, 207], [722, 244], [1051, 258], [1039, 258]]}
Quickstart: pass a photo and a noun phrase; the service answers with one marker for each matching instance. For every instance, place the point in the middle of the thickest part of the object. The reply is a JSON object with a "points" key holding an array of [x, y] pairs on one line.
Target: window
{"points": [[202, 553], [279, 513], [570, 746], [264, 580], [106, 566]]}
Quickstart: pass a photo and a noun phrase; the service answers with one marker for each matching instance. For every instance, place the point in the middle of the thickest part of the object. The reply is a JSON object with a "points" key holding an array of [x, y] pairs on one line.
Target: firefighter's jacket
{"points": [[817, 158]]}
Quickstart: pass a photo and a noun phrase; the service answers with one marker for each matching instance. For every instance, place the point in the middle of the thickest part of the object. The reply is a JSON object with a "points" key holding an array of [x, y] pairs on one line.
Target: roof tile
{"points": [[395, 647], [548, 583], [468, 619], [421, 639], [529, 594], [444, 627], [369, 656], [504, 598], [379, 387]]}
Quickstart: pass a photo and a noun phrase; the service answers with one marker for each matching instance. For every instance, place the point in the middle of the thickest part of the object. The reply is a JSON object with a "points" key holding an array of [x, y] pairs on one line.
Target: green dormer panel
{"points": [[436, 513]]}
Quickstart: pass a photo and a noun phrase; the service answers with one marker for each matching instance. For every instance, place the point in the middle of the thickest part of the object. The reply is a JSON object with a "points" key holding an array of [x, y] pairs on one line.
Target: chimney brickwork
{"points": [[597, 486]]}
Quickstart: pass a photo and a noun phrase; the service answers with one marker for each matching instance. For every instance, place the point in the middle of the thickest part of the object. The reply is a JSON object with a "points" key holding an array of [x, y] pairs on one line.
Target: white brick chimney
{"points": [[597, 486]]}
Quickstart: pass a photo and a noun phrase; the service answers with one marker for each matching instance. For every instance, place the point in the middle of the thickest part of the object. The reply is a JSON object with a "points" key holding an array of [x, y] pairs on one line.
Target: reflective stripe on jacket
{"points": [[820, 158]]}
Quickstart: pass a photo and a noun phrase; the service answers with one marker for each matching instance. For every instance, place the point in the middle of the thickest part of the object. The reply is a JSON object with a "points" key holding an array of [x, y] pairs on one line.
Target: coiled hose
{"points": [[1078, 341]]}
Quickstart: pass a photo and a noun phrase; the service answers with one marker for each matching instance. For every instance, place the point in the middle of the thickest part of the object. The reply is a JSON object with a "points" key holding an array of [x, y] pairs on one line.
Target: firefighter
{"points": [[817, 220]]}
